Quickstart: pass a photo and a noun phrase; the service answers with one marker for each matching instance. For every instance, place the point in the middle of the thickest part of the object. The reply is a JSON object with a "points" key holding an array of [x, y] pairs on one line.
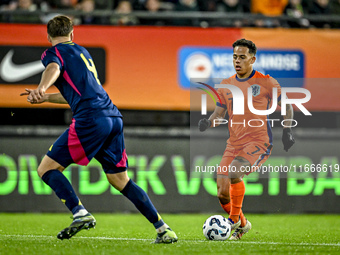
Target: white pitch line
{"points": [[180, 240]]}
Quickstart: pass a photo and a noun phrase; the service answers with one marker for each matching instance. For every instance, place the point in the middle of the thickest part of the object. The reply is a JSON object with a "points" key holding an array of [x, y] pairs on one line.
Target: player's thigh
{"points": [[81, 141], [223, 181], [238, 169], [227, 157], [112, 155], [87, 136], [231, 164], [256, 153], [48, 164], [59, 151], [118, 180]]}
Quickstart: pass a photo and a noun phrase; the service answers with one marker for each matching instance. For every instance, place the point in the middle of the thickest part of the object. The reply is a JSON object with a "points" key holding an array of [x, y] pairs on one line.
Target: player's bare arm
{"points": [[287, 136], [56, 98], [219, 113], [49, 76], [289, 115]]}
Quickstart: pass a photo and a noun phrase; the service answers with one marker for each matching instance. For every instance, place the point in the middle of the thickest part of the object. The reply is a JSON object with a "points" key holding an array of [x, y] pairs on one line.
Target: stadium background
{"points": [[142, 77]]}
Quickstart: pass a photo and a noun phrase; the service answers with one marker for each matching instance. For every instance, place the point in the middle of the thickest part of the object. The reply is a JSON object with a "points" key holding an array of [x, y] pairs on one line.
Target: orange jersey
{"points": [[250, 127]]}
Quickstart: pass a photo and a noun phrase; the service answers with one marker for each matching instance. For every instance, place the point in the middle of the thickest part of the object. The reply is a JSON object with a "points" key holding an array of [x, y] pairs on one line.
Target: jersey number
{"points": [[91, 67]]}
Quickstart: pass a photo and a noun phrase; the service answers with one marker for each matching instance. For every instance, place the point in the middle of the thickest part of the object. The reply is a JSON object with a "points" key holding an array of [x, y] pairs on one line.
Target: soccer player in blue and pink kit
{"points": [[96, 130]]}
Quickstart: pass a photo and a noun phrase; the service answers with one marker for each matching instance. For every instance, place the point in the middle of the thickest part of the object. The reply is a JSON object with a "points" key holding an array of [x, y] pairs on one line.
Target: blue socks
{"points": [[63, 189], [142, 202]]}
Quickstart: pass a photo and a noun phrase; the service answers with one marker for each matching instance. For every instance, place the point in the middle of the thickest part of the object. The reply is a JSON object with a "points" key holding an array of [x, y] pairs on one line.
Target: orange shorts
{"points": [[255, 152]]}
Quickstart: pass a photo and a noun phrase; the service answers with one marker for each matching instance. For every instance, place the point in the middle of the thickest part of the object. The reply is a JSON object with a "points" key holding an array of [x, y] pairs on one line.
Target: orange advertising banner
{"points": [[147, 68], [322, 60]]}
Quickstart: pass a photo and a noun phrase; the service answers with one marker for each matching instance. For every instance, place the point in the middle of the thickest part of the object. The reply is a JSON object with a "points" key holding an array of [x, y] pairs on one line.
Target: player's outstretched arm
{"points": [[49, 76], [219, 113], [48, 97], [56, 98], [38, 95], [287, 136]]}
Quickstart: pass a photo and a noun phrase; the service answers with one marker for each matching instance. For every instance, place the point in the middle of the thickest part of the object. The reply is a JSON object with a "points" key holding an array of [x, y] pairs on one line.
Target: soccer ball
{"points": [[216, 228]]}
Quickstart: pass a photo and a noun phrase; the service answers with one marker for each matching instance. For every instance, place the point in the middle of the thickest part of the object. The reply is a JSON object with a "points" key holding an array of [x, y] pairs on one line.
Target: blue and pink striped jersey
{"points": [[79, 82]]}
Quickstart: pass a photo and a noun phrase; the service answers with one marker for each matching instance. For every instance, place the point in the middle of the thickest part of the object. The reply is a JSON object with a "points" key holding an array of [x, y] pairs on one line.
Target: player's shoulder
{"points": [[48, 52], [229, 80], [43, 55], [258, 74], [265, 78]]}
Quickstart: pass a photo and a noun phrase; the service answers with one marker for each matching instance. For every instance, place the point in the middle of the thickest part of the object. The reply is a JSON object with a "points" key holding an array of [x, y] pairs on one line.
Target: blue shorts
{"points": [[100, 138]]}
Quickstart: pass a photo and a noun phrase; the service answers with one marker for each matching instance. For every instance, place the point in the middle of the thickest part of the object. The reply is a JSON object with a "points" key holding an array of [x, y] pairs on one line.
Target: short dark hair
{"points": [[246, 43], [59, 26]]}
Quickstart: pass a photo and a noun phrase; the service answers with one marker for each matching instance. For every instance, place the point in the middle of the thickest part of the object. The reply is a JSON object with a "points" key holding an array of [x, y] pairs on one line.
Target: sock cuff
{"points": [[126, 188], [226, 207], [158, 224], [224, 204], [77, 209], [237, 189], [47, 174]]}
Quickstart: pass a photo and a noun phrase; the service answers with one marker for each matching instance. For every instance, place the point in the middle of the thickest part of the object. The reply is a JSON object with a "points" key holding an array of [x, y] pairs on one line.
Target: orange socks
{"points": [[226, 208], [237, 191]]}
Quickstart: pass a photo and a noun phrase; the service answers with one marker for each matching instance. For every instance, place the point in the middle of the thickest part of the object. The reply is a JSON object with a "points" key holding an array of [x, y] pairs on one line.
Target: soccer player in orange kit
{"points": [[250, 143]]}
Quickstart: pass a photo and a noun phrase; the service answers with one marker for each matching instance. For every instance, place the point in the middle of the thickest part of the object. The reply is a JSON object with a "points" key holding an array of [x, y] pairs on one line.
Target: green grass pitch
{"points": [[132, 234]]}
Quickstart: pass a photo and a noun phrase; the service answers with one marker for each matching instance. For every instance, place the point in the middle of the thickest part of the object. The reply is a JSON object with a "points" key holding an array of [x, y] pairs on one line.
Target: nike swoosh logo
{"points": [[11, 72]]}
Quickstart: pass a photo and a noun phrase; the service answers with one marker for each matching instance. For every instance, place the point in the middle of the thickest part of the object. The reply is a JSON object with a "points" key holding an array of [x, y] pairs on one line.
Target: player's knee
{"points": [[236, 175], [238, 168], [48, 164], [118, 180], [41, 171], [235, 180]]}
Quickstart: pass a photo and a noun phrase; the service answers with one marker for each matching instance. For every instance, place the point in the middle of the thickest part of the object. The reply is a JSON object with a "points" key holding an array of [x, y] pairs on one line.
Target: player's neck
{"points": [[60, 39], [246, 75]]}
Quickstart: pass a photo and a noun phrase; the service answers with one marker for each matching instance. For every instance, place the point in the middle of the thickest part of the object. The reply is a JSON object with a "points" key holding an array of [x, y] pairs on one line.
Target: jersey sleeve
{"points": [[50, 56], [221, 101], [272, 83]]}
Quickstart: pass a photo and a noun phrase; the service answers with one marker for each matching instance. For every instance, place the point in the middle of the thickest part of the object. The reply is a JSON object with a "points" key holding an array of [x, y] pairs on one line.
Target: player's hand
{"points": [[37, 95], [287, 139], [204, 124], [29, 93]]}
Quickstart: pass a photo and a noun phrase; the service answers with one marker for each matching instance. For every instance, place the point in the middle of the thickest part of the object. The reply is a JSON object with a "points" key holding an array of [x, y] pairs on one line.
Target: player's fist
{"points": [[287, 139], [204, 124]]}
